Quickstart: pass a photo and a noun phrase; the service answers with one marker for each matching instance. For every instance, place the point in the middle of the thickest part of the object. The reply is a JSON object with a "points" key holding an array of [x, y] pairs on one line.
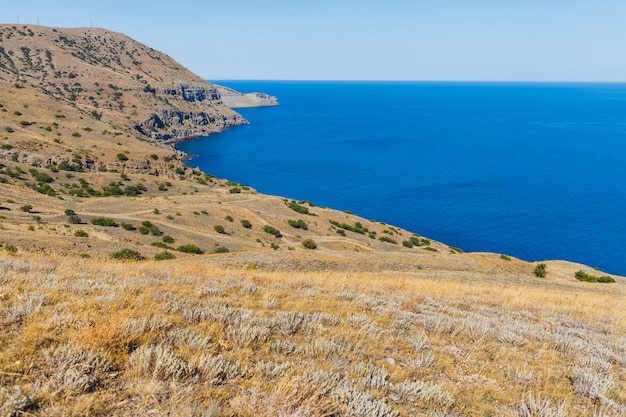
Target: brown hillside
{"points": [[110, 77]]}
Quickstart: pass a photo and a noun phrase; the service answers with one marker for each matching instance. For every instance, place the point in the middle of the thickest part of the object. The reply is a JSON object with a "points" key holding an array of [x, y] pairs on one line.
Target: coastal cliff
{"points": [[235, 99], [110, 77]]}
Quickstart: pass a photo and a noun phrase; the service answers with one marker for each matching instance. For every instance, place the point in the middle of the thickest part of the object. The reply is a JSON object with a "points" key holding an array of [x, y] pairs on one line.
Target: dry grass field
{"points": [[192, 338]]}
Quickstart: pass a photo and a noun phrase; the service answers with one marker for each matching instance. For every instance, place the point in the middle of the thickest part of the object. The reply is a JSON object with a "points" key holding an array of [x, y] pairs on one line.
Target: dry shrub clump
{"points": [[189, 339]]}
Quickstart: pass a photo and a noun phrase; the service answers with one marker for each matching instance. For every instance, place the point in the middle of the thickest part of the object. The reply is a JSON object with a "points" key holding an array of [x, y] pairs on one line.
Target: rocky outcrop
{"points": [[234, 99], [114, 79], [175, 125]]}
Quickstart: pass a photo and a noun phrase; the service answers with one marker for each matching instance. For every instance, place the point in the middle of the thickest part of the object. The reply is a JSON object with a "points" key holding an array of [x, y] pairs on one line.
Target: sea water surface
{"points": [[536, 171]]}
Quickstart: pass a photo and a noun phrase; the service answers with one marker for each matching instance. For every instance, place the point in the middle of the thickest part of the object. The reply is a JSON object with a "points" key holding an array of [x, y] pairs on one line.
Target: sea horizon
{"points": [[449, 160], [262, 80]]}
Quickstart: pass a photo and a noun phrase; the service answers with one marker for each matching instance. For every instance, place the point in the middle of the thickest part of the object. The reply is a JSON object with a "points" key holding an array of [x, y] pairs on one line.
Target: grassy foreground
{"points": [[187, 338]]}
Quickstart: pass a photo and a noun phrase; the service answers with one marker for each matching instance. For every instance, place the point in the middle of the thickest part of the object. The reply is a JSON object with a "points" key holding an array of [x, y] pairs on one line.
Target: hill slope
{"points": [[110, 77]]}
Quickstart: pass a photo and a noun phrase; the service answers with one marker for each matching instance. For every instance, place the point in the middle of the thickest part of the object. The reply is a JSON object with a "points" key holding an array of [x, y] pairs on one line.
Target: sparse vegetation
{"points": [[329, 336], [298, 224], [220, 229], [128, 226], [309, 244], [541, 270], [387, 239], [148, 227], [164, 256], [127, 255], [221, 249], [104, 221], [74, 219], [190, 248], [272, 230], [246, 224], [297, 207], [583, 276]]}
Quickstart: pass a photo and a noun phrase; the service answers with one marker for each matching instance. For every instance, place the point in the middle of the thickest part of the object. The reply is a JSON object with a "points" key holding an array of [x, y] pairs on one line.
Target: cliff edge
{"points": [[112, 78], [234, 99]]}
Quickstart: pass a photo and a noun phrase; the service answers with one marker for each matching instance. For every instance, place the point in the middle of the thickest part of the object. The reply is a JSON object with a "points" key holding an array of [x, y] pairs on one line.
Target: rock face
{"points": [[112, 78], [234, 99]]}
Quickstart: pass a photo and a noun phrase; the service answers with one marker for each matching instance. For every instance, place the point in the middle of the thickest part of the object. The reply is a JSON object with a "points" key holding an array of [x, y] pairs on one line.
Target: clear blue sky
{"points": [[490, 40]]}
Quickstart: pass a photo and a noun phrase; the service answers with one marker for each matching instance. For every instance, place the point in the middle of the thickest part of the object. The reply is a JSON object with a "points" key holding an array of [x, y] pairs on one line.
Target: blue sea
{"points": [[536, 171]]}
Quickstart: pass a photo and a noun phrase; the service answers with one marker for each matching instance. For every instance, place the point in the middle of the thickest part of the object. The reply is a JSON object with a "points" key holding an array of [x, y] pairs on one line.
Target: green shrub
{"points": [[295, 206], [219, 229], [274, 246], [190, 249], [583, 276], [541, 270], [69, 212], [246, 223], [128, 226], [341, 232], [407, 244], [81, 233], [131, 191], [127, 255], [122, 157], [235, 190], [309, 244], [272, 230], [418, 241], [229, 218], [10, 248], [104, 221], [74, 219], [162, 245], [26, 208], [298, 224], [221, 249], [152, 228], [505, 257], [41, 176], [164, 256], [387, 240], [357, 228], [167, 239]]}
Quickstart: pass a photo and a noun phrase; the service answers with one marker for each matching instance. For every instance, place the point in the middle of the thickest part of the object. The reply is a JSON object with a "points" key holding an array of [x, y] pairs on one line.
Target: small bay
{"points": [[533, 170]]}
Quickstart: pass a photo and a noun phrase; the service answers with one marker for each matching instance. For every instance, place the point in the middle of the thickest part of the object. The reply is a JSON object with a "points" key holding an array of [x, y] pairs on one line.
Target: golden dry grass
{"points": [[191, 338]]}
